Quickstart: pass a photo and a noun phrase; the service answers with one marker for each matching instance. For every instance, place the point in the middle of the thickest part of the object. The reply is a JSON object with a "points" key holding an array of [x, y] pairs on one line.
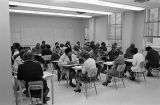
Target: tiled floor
{"points": [[135, 93]]}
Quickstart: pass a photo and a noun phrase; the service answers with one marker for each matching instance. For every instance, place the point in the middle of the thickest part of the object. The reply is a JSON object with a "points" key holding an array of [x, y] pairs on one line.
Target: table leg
{"points": [[52, 88], [20, 89], [15, 91]]}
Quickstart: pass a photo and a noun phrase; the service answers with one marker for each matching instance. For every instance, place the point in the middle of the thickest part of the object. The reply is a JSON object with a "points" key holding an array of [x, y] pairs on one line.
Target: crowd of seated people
{"points": [[88, 55]]}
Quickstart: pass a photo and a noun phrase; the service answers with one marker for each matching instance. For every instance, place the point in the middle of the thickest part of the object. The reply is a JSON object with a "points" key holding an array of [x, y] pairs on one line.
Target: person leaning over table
{"points": [[88, 68], [152, 58], [113, 71], [66, 59], [32, 71], [128, 53], [137, 59]]}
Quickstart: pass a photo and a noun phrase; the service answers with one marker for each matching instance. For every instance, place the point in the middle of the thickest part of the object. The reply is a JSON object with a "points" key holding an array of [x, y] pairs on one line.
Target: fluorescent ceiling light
{"points": [[108, 4], [47, 13], [58, 8]]}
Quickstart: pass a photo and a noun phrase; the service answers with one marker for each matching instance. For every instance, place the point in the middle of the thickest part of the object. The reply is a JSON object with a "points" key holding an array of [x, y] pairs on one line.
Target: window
{"points": [[115, 29], [152, 29]]}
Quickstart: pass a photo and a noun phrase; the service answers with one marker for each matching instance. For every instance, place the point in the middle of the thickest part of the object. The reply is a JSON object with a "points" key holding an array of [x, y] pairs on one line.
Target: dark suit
{"points": [[153, 59], [31, 71]]}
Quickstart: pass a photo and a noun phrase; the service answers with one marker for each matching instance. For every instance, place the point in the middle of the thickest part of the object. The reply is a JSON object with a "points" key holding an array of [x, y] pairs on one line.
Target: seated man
{"points": [[37, 49], [88, 67], [55, 57], [137, 59], [152, 58], [113, 53], [113, 71], [32, 71], [69, 58], [46, 50]]}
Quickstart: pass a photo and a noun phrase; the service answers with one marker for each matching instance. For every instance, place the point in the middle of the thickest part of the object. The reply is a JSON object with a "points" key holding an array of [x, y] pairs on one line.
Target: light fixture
{"points": [[109, 4], [47, 13], [58, 8]]}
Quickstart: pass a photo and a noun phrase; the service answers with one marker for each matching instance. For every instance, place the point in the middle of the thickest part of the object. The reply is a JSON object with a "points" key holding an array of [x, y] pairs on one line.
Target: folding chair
{"points": [[36, 86]]}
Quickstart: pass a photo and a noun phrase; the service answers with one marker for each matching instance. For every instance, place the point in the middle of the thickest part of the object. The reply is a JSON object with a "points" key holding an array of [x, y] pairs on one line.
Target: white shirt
{"points": [[15, 53], [17, 62], [64, 59], [137, 59], [89, 66]]}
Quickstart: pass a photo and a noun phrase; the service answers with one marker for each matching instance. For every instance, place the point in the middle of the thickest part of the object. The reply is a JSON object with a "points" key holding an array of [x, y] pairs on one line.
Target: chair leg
{"points": [[144, 77], [115, 83], [95, 87], [123, 82], [157, 73], [86, 89]]}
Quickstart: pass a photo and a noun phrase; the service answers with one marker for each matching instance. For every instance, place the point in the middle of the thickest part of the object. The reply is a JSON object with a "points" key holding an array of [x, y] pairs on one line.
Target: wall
{"points": [[139, 30], [6, 92], [30, 29], [127, 29], [101, 29], [133, 28]]}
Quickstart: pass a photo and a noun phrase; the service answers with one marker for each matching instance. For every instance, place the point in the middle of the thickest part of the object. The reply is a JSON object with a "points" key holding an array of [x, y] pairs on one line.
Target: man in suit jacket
{"points": [[152, 58], [32, 71]]}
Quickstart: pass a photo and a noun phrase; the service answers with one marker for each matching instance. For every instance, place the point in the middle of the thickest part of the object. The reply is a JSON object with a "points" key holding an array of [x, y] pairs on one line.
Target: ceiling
{"points": [[149, 4]]}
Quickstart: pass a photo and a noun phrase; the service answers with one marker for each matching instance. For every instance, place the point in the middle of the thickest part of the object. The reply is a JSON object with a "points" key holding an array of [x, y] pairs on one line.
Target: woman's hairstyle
{"points": [[103, 44], [148, 48], [67, 50], [84, 55], [27, 56], [56, 43], [134, 51], [132, 46], [61, 45]]}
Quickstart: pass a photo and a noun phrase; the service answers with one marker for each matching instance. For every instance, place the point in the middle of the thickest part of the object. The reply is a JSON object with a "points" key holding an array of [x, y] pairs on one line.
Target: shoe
{"points": [[150, 75], [132, 78], [72, 85], [45, 100], [106, 83], [78, 90]]}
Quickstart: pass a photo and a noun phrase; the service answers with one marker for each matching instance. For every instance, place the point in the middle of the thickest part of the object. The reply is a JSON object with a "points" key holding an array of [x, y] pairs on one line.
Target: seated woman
{"points": [[32, 71], [88, 67], [69, 58], [113, 71], [18, 60], [137, 59], [96, 56]]}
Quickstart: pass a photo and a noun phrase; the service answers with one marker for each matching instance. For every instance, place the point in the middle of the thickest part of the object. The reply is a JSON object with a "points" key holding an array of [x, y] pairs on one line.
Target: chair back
{"points": [[35, 85], [92, 72], [46, 57], [121, 68], [142, 65]]}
